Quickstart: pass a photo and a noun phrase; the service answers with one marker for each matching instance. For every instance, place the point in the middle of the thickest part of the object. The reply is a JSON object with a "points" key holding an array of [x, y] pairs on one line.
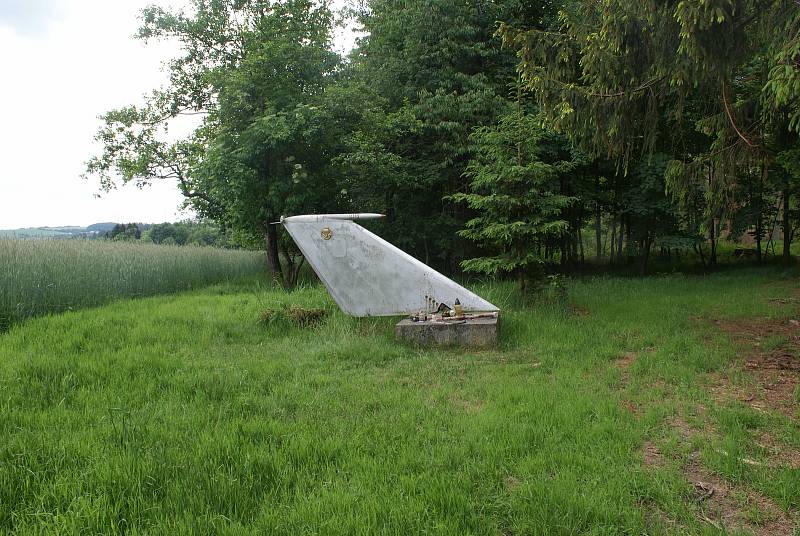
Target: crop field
{"points": [[44, 276], [665, 405]]}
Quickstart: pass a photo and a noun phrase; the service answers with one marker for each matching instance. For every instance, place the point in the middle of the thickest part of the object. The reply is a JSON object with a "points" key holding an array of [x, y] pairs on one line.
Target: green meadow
{"points": [[614, 411]]}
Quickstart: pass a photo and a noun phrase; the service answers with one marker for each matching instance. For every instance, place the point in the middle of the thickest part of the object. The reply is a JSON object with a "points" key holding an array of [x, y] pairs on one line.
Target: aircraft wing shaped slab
{"points": [[368, 276]]}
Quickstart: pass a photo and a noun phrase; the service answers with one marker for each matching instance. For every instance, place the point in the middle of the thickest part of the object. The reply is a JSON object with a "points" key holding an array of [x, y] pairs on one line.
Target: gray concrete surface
{"points": [[475, 333]]}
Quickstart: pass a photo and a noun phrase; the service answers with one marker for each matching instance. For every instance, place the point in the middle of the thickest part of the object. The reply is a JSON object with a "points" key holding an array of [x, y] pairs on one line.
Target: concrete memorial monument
{"points": [[368, 276]]}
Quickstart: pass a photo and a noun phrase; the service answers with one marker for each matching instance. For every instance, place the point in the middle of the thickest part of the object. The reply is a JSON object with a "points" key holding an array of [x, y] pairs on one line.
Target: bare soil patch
{"points": [[720, 503], [623, 363], [778, 453], [625, 360], [682, 427], [631, 407], [512, 482], [577, 310], [469, 406], [771, 351], [652, 455], [728, 507]]}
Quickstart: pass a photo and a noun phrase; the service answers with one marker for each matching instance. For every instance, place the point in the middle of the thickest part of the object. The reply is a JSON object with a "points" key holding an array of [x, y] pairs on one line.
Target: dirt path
{"points": [[765, 376], [771, 352], [719, 503]]}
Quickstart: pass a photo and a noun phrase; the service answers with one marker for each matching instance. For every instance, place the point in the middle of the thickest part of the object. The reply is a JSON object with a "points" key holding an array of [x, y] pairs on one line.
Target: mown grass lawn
{"points": [[183, 413]]}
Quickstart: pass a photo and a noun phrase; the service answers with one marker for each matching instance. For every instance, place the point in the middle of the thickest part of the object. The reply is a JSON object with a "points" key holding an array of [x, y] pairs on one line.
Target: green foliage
{"points": [[712, 84], [515, 180], [255, 71], [615, 77], [430, 72], [552, 289], [197, 233], [648, 209], [122, 232], [684, 115]]}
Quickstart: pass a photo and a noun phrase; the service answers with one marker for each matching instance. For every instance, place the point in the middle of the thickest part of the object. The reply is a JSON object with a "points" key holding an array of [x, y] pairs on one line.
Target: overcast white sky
{"points": [[63, 63]]}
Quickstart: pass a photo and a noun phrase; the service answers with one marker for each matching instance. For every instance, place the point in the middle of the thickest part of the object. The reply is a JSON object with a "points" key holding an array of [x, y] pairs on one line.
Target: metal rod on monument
{"points": [[321, 217]]}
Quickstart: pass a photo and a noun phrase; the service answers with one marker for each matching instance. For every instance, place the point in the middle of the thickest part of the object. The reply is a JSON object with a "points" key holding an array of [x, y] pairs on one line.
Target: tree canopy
{"points": [[494, 135]]}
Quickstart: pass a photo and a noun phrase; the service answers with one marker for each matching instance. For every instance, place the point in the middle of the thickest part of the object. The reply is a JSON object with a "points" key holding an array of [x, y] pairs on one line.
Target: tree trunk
{"points": [[712, 231], [627, 240], [613, 240], [699, 249], [291, 270], [295, 273], [598, 232], [566, 238], [760, 215], [644, 254], [712, 236], [273, 258], [759, 230], [787, 226]]}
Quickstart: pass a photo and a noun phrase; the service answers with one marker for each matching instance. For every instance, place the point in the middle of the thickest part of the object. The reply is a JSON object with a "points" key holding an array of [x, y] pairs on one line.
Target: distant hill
{"points": [[101, 227], [67, 231]]}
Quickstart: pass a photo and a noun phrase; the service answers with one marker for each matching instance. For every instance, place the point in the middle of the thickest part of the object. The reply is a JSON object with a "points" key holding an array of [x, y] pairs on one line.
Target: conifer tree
{"points": [[515, 191]]}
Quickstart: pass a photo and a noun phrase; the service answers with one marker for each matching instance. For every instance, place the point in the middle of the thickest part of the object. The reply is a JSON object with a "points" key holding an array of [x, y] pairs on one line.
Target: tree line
{"points": [[495, 136], [188, 232]]}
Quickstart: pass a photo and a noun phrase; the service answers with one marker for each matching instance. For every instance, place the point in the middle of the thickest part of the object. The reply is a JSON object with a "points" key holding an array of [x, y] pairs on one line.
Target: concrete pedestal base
{"points": [[475, 333]]}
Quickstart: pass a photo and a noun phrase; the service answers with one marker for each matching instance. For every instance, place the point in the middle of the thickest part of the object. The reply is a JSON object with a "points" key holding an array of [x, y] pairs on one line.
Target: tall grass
{"points": [[196, 418], [44, 276]]}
